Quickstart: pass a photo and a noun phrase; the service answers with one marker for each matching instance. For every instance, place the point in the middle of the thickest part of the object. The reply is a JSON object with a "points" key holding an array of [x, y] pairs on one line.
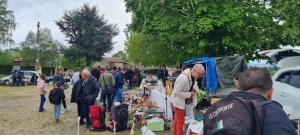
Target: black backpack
{"points": [[234, 116], [120, 115]]}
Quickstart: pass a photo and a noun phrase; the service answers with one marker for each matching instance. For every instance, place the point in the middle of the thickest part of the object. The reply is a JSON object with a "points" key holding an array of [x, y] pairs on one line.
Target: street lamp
{"points": [[38, 47]]}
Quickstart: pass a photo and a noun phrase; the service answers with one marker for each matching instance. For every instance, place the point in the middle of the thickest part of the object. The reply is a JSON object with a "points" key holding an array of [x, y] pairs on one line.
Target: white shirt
{"points": [[75, 77]]}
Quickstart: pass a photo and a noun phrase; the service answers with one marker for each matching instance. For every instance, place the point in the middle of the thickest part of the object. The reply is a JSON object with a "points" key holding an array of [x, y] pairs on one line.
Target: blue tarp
{"points": [[211, 73]]}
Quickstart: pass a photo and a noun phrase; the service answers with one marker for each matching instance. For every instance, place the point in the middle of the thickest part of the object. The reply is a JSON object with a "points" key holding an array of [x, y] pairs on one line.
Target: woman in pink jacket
{"points": [[41, 90]]}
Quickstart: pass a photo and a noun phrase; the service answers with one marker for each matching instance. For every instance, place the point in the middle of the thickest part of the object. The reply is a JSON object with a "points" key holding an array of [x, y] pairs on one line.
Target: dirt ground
{"points": [[19, 115]]}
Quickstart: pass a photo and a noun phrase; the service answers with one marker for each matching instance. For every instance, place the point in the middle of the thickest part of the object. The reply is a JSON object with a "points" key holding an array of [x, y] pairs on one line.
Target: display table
{"points": [[159, 98]]}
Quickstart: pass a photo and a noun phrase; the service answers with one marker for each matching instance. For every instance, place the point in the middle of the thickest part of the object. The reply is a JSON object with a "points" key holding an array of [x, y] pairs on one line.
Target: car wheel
{"points": [[6, 82]]}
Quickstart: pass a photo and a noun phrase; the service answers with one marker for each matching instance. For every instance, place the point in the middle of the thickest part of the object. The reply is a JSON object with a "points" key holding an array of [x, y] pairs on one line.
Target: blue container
{"points": [[200, 117]]}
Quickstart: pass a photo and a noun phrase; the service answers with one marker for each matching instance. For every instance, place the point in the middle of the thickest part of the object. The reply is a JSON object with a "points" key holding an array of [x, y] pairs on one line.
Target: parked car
{"points": [[49, 79], [286, 81], [27, 74], [5, 80]]}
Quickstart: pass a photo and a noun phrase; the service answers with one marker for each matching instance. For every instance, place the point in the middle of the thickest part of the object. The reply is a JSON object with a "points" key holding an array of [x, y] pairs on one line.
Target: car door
{"points": [[287, 89]]}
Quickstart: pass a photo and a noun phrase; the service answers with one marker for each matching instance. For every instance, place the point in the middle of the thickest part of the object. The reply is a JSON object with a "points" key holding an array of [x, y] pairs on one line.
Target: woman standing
{"points": [[87, 94], [41, 90], [60, 78]]}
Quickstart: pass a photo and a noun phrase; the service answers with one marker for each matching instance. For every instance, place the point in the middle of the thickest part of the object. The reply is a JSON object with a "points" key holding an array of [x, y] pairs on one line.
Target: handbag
{"points": [[188, 101], [108, 88]]}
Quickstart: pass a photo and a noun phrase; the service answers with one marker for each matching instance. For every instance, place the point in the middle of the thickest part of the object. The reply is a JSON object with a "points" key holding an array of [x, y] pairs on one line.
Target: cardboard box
{"points": [[150, 104], [214, 100]]}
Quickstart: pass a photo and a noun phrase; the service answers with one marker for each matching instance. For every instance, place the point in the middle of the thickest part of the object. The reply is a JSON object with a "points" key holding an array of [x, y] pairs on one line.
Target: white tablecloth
{"points": [[159, 98]]}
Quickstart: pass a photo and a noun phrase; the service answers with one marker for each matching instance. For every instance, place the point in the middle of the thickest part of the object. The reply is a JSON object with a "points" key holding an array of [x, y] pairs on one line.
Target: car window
{"points": [[27, 74], [284, 76], [295, 79]]}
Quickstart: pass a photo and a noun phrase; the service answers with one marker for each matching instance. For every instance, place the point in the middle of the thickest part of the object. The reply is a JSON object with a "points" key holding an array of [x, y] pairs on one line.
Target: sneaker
{"points": [[87, 127], [67, 109], [61, 112], [41, 110]]}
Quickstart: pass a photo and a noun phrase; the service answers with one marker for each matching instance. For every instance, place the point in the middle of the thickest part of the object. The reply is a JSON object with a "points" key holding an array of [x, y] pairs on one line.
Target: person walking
{"points": [[119, 82], [184, 89], [60, 77], [41, 91], [55, 97], [95, 72], [88, 92], [74, 98], [106, 79]]}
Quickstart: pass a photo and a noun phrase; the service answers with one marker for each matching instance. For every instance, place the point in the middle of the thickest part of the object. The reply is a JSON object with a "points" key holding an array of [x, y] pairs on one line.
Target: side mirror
{"points": [[288, 109]]}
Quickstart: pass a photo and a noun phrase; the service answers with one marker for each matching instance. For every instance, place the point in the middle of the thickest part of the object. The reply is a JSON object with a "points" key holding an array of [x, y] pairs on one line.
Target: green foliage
{"points": [[122, 55], [174, 31], [6, 58], [7, 23], [89, 34], [48, 49], [289, 14]]}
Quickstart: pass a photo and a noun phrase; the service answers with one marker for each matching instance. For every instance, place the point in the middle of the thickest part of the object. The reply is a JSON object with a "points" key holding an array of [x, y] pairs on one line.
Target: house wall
{"points": [[118, 64], [103, 63]]}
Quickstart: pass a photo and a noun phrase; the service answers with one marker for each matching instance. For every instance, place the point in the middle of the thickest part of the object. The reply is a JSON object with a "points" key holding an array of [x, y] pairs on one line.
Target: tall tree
{"points": [[289, 14], [7, 23], [180, 30], [6, 58], [89, 34], [48, 51]]}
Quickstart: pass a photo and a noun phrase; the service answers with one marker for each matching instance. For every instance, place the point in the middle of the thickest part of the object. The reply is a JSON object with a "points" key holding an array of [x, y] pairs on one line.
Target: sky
{"points": [[28, 12]]}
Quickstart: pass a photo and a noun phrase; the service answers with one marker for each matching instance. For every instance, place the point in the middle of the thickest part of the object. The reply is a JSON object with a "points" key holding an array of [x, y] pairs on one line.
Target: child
{"points": [[55, 97], [41, 90]]}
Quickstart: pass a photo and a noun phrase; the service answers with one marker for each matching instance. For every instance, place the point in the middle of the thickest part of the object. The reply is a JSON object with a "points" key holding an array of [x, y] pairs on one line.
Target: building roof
{"points": [[114, 59]]}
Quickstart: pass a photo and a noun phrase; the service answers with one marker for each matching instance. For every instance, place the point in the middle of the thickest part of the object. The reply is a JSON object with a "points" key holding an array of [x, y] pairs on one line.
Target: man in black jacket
{"points": [[165, 74], [256, 84], [95, 72], [128, 76], [88, 92]]}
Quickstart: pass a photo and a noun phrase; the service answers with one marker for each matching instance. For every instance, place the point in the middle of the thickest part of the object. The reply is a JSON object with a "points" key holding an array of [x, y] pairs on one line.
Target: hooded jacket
{"points": [[276, 121], [41, 86], [56, 95]]}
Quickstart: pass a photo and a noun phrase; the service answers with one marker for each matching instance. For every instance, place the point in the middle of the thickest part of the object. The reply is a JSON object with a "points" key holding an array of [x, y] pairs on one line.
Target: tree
{"points": [[6, 58], [122, 55], [48, 51], [89, 34], [289, 14], [180, 30], [7, 23]]}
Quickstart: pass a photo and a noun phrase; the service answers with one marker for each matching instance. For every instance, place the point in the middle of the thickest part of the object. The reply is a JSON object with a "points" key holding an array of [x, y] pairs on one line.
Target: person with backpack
{"points": [[184, 90], [107, 82], [250, 111], [60, 77], [55, 97], [87, 94], [41, 88]]}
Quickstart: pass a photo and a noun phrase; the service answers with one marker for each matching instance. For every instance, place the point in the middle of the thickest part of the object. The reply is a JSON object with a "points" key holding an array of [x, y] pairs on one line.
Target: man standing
{"points": [[128, 76], [159, 73], [256, 84], [76, 75], [184, 89], [106, 79], [119, 82], [95, 72], [165, 75]]}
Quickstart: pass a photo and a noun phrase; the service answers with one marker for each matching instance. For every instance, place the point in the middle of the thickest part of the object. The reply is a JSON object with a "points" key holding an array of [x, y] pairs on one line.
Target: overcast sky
{"points": [[29, 12]]}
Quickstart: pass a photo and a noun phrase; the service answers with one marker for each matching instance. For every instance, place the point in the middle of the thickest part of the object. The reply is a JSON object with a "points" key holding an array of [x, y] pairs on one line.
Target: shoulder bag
{"points": [[188, 101], [108, 88]]}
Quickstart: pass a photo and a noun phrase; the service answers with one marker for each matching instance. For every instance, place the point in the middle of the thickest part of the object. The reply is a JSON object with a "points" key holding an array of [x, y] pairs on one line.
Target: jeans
{"points": [[86, 112], [117, 92], [80, 111], [178, 121], [43, 99], [104, 96], [56, 111]]}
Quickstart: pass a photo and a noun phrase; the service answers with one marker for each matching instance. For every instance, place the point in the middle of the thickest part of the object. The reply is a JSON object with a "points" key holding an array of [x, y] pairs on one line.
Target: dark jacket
{"points": [[58, 77], [276, 121], [56, 95], [96, 73], [165, 74], [75, 91], [129, 74], [88, 90], [159, 74], [176, 74], [119, 81]]}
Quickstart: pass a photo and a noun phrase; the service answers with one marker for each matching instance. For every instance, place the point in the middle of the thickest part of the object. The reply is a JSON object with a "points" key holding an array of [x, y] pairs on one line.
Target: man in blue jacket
{"points": [[256, 84], [119, 82]]}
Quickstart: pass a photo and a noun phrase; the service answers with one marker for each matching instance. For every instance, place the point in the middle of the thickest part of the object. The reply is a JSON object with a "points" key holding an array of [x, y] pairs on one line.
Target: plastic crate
{"points": [[155, 126]]}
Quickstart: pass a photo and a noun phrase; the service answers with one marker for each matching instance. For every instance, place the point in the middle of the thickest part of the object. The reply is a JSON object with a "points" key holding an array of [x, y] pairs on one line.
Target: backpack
{"points": [[234, 116], [120, 115], [97, 114]]}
